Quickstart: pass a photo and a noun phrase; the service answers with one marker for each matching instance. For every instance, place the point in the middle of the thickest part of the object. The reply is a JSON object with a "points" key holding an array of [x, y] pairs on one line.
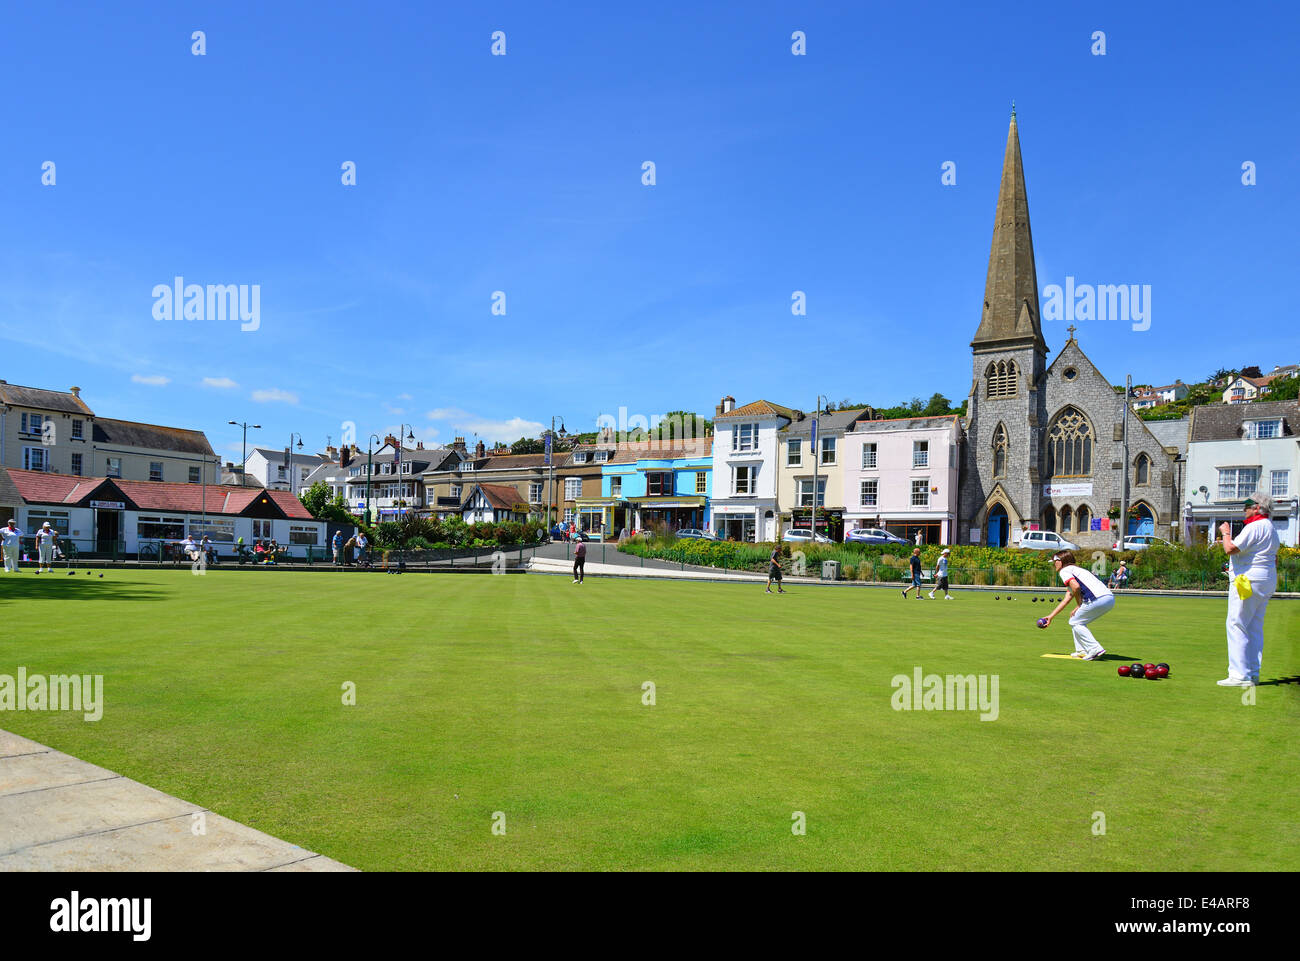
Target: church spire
{"points": [[1011, 290]]}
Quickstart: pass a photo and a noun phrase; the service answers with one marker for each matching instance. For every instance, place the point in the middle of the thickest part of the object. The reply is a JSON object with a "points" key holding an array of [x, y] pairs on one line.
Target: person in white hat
{"points": [[941, 575], [10, 540], [46, 538]]}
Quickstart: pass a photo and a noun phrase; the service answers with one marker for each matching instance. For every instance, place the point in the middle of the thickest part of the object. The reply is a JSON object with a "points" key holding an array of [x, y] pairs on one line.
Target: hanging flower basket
{"points": [[1113, 513]]}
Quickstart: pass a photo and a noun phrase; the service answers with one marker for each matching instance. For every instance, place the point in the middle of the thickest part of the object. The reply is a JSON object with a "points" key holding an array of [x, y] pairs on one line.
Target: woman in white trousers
{"points": [[1252, 579]]}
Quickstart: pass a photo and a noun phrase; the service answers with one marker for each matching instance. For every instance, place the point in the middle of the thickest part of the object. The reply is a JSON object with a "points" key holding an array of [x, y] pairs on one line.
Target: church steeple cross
{"points": [[1072, 329]]}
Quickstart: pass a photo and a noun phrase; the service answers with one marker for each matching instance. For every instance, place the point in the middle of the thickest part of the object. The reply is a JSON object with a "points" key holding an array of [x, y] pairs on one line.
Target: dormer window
{"points": [[602, 456], [580, 457], [1262, 429]]}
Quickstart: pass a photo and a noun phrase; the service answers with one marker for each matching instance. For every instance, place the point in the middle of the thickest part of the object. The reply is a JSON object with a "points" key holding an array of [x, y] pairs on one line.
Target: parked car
{"points": [[691, 532], [804, 534], [1045, 541], [1140, 542], [872, 535]]}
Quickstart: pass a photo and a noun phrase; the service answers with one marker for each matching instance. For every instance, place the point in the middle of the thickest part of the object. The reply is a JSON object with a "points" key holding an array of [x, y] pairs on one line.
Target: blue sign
{"points": [[548, 450], [814, 432]]}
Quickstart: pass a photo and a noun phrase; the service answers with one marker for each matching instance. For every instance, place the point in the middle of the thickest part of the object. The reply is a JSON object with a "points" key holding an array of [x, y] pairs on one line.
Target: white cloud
{"points": [[507, 430], [153, 380], [447, 413], [224, 383], [405, 397], [275, 394], [395, 411]]}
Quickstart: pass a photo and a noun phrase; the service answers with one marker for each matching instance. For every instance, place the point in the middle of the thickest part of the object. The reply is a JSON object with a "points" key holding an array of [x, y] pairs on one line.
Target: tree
{"points": [[1250, 372], [528, 445], [938, 406], [1286, 388], [321, 506]]}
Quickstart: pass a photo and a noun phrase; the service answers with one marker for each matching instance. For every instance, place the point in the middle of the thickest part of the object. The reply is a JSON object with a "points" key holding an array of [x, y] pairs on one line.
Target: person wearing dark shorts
{"points": [[579, 562], [774, 571], [941, 575], [916, 573]]}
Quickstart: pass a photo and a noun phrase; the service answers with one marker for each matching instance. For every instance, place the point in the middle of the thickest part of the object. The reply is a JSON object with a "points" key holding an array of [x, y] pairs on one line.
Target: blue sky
{"points": [[478, 173]]}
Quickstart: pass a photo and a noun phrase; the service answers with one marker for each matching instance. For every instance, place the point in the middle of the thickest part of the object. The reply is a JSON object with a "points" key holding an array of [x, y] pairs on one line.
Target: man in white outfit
{"points": [[1252, 579], [46, 538], [1093, 600], [10, 540]]}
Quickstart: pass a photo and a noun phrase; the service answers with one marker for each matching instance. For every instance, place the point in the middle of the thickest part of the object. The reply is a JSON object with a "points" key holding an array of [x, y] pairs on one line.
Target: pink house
{"points": [[901, 476]]}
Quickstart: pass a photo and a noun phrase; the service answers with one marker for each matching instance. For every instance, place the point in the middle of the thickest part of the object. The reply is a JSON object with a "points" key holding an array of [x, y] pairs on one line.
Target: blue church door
{"points": [[1144, 523], [997, 526]]}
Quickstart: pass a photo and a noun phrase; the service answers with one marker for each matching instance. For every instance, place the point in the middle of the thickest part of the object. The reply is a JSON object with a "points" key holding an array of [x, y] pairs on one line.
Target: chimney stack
{"points": [[480, 450], [725, 406], [458, 445], [76, 391]]}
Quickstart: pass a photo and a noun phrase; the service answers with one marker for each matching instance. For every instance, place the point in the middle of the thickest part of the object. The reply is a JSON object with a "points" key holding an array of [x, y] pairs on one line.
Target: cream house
{"points": [[804, 460]]}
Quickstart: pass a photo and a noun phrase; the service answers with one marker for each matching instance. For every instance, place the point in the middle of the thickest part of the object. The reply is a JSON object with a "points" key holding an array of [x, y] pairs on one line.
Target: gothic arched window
{"points": [[1000, 452], [1069, 445], [1049, 519], [1065, 520], [1142, 469], [1001, 377], [1082, 518]]}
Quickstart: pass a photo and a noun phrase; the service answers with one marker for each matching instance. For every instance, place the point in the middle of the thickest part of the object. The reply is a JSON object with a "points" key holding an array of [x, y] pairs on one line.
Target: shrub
{"points": [[849, 572]]}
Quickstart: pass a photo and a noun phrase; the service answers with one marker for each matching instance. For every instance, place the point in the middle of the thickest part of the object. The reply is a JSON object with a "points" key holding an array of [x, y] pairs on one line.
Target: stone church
{"points": [[1045, 442]]}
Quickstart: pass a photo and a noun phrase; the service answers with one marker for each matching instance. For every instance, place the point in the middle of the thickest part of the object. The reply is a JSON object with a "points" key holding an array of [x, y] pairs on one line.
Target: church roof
{"points": [[1011, 288]]}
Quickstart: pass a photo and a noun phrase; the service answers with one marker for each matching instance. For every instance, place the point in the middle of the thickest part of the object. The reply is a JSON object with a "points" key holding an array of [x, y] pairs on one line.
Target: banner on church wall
{"points": [[1067, 490], [975, 535]]}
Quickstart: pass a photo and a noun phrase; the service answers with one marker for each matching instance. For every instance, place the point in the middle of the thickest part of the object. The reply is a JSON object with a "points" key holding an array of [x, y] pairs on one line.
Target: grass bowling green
{"points": [[521, 701]]}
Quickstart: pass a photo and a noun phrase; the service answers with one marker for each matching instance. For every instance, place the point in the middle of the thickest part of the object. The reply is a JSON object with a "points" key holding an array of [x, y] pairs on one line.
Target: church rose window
{"points": [[1000, 452], [1002, 379], [1069, 445]]}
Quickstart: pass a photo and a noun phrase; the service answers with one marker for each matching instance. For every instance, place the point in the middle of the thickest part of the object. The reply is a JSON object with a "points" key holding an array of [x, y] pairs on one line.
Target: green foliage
{"points": [[528, 445], [424, 533], [319, 504], [1285, 389]]}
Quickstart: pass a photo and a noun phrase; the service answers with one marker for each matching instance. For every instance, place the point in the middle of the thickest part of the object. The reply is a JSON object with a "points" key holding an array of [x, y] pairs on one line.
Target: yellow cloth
{"points": [[1242, 583]]}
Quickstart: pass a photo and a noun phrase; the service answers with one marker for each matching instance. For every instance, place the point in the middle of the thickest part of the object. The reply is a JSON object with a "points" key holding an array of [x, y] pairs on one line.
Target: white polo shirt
{"points": [[1090, 586], [10, 538], [1257, 546], [46, 534]]}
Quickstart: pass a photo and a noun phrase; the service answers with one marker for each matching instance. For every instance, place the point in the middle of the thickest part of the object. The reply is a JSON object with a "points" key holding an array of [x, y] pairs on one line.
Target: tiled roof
{"points": [[151, 436], [1223, 421], [1170, 433], [59, 400], [37, 487], [501, 496], [9, 495], [277, 454], [760, 408]]}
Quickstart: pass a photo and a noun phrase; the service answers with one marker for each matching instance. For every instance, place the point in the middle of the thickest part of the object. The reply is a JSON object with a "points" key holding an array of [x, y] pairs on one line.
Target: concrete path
{"points": [[61, 814]]}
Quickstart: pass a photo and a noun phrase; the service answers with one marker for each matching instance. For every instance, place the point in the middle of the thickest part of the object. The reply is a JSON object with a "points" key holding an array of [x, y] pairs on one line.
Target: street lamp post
{"points": [[243, 465], [289, 465], [550, 469], [816, 456], [410, 435], [370, 455]]}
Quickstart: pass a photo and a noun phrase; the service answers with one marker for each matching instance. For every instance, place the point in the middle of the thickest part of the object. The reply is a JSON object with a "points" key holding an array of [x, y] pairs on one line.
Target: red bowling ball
{"points": [[1123, 670]]}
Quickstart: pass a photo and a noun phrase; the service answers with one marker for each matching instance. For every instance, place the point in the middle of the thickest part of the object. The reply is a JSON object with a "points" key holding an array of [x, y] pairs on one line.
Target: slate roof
{"points": [[9, 495], [1223, 421], [60, 400], [907, 423], [1170, 433], [835, 420], [131, 433]]}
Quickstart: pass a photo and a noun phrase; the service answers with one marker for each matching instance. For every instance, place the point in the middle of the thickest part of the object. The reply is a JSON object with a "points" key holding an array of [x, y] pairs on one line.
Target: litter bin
{"points": [[830, 570]]}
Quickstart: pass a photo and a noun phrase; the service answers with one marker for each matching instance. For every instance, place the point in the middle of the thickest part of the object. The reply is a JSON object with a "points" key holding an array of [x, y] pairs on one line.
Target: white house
{"points": [[745, 444], [1234, 450], [1146, 397], [902, 475], [269, 467]]}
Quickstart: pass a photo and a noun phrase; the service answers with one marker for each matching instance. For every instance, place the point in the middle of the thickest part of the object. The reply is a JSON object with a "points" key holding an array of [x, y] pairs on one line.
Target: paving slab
{"points": [[58, 813]]}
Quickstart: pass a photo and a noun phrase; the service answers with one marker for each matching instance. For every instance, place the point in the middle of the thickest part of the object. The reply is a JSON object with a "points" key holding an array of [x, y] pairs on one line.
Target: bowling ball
{"points": [[1137, 670], [1148, 667], [997, 597], [1163, 664], [1042, 622], [1162, 670], [1151, 674], [1123, 670]]}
